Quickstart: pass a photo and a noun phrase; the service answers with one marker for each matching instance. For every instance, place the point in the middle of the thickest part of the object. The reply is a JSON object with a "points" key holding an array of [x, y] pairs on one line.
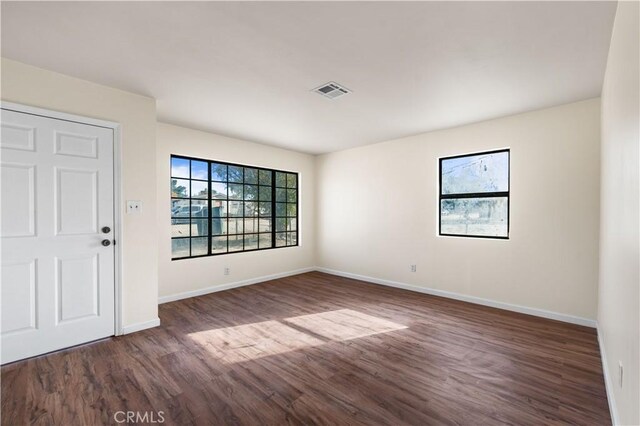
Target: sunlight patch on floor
{"points": [[344, 324], [251, 341]]}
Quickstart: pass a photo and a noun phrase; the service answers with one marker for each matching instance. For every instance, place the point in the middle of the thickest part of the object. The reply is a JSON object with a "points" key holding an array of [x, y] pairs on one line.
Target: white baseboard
{"points": [[140, 326], [228, 286], [471, 299], [608, 380]]}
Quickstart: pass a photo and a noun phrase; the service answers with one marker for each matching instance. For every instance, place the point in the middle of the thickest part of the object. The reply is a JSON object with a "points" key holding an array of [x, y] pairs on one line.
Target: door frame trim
{"points": [[118, 328]]}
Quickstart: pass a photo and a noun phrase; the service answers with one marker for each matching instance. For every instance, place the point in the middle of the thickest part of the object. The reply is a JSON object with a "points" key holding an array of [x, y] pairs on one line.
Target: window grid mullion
{"points": [[210, 209], [474, 195], [273, 208], [190, 236], [297, 206], [228, 205], [243, 230]]}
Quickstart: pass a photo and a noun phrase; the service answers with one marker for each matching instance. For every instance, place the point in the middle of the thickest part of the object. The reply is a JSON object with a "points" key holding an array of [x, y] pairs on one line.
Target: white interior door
{"points": [[56, 192]]}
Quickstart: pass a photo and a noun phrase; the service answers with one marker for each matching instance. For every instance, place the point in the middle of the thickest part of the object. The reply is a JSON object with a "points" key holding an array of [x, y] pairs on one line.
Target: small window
{"points": [[219, 208], [474, 195]]}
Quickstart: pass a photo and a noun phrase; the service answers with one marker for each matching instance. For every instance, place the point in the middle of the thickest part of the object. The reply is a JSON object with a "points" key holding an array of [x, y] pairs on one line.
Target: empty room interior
{"points": [[332, 213]]}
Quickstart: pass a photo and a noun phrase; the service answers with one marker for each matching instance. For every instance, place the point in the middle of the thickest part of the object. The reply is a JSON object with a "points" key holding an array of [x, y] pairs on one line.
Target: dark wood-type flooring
{"points": [[319, 349]]}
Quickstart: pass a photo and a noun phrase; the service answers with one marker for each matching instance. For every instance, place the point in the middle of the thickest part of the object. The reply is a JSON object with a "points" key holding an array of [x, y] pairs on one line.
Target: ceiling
{"points": [[247, 69]]}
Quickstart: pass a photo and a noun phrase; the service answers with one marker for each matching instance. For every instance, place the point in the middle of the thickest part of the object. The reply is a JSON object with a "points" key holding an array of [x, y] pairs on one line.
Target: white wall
{"points": [[33, 86], [377, 212], [179, 278], [618, 303]]}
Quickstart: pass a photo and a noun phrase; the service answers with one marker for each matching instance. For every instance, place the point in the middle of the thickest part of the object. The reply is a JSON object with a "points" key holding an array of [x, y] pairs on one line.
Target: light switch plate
{"points": [[134, 206]]}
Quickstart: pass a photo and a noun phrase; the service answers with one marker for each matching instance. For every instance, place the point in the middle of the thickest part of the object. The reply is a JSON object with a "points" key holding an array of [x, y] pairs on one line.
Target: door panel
{"points": [[18, 137], [57, 193], [76, 145], [17, 190], [19, 292], [77, 287], [76, 201]]}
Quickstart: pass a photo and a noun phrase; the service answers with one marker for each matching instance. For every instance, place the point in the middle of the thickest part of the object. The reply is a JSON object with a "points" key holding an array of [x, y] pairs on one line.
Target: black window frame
{"points": [[210, 216], [496, 194]]}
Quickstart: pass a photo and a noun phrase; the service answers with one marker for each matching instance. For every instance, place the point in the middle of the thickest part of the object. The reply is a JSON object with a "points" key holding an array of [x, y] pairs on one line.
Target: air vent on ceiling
{"points": [[332, 90]]}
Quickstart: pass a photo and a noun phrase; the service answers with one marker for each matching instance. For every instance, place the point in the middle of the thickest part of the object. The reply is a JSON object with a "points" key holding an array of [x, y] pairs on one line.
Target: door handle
{"points": [[106, 230], [106, 243]]}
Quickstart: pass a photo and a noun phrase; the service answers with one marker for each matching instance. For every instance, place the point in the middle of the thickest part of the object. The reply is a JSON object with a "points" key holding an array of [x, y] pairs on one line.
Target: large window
{"points": [[474, 195], [219, 208]]}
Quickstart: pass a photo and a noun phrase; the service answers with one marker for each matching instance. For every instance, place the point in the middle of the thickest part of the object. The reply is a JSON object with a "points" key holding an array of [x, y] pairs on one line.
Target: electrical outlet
{"points": [[227, 271], [134, 206], [413, 268], [620, 373]]}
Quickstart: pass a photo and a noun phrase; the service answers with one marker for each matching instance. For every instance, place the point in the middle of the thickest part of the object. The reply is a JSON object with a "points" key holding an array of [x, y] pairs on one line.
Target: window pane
{"points": [[179, 247], [218, 208], [291, 224], [179, 227], [264, 241], [235, 174], [235, 242], [179, 168], [218, 226], [251, 241], [281, 224], [235, 191], [281, 239], [265, 177], [199, 170], [476, 173], [199, 227], [236, 226], [199, 189], [281, 209], [180, 208], [218, 245], [218, 190], [250, 175], [265, 209], [291, 239], [180, 188], [250, 209], [292, 195], [474, 216], [265, 225], [199, 246], [281, 195], [291, 180], [219, 172], [250, 192], [199, 208], [236, 208], [292, 209], [265, 193], [281, 179], [251, 225]]}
